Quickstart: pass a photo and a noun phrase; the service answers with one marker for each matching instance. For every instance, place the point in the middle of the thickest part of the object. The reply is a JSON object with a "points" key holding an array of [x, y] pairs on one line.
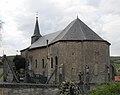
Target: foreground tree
{"points": [[69, 88], [20, 68], [19, 62], [112, 88]]}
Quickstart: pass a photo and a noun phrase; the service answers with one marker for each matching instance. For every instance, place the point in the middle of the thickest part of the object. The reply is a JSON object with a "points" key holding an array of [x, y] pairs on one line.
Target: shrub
{"points": [[19, 62], [112, 88]]}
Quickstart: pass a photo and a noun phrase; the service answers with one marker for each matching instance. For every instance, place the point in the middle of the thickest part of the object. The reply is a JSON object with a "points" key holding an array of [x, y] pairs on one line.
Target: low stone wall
{"points": [[27, 89]]}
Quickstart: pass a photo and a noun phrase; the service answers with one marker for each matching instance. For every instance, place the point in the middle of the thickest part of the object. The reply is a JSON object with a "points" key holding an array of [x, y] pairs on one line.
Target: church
{"points": [[72, 54]]}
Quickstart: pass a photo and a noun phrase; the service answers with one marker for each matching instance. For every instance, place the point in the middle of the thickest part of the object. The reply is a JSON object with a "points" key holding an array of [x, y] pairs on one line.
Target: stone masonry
{"points": [[27, 89]]}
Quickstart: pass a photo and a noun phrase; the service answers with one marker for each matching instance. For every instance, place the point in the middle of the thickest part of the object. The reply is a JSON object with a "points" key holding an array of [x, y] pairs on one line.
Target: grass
{"points": [[117, 65], [112, 88], [115, 58], [9, 57]]}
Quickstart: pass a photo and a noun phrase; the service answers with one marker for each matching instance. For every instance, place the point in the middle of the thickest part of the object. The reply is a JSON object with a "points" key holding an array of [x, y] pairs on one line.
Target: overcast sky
{"points": [[102, 16]]}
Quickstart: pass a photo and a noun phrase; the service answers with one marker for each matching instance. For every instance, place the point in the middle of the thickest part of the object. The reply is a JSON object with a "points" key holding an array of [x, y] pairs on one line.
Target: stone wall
{"points": [[76, 55], [73, 56], [38, 55], [27, 89]]}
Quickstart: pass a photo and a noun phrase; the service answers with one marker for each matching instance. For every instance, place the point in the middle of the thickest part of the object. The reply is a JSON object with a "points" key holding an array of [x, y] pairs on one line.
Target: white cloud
{"points": [[110, 6], [111, 27], [103, 16]]}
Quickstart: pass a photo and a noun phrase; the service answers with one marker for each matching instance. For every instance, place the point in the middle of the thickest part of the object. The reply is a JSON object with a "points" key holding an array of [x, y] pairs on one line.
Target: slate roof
{"points": [[75, 31], [36, 30], [42, 41]]}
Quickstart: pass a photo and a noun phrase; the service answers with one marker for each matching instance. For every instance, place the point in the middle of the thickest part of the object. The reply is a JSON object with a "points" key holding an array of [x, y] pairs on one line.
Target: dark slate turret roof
{"points": [[36, 30], [75, 31]]}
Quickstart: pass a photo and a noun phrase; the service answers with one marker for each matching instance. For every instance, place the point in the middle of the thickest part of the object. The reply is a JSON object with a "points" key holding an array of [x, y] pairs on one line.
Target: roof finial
{"points": [[77, 16], [36, 15]]}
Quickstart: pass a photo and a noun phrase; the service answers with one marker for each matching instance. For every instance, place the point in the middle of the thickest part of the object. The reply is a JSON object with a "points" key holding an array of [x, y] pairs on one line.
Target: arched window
{"points": [[56, 60], [36, 63], [43, 63], [56, 67], [51, 62]]}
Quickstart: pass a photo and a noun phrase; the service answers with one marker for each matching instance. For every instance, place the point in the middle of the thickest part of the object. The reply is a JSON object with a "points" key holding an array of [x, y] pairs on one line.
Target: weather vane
{"points": [[77, 16], [36, 14]]}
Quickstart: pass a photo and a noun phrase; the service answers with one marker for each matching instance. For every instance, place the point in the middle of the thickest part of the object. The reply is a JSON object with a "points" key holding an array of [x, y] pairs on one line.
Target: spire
{"points": [[36, 30], [36, 34]]}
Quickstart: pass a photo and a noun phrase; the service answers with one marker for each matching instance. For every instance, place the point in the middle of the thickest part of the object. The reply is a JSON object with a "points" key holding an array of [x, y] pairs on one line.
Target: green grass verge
{"points": [[112, 88]]}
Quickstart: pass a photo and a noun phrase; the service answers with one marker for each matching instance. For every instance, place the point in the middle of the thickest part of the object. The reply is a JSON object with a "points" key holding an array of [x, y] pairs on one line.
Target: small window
{"points": [[56, 60], [36, 63], [51, 62], [43, 64]]}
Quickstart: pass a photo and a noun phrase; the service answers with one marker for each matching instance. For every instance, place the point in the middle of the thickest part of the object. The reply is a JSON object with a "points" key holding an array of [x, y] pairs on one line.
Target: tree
{"points": [[112, 88], [19, 62]]}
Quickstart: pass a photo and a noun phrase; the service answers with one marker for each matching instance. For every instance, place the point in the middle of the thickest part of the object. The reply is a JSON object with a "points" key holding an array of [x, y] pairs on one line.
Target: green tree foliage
{"points": [[112, 88], [69, 88], [19, 62]]}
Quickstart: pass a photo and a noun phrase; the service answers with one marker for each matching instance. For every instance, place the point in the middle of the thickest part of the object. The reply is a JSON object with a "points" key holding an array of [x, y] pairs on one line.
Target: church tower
{"points": [[36, 34]]}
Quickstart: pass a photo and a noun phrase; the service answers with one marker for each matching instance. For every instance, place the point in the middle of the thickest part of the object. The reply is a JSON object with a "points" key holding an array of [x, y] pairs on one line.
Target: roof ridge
{"points": [[79, 22], [53, 33], [69, 25], [81, 28], [90, 30], [50, 33]]}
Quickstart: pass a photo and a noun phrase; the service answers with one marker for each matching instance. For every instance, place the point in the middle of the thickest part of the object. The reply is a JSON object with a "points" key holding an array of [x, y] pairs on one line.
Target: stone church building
{"points": [[75, 53]]}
